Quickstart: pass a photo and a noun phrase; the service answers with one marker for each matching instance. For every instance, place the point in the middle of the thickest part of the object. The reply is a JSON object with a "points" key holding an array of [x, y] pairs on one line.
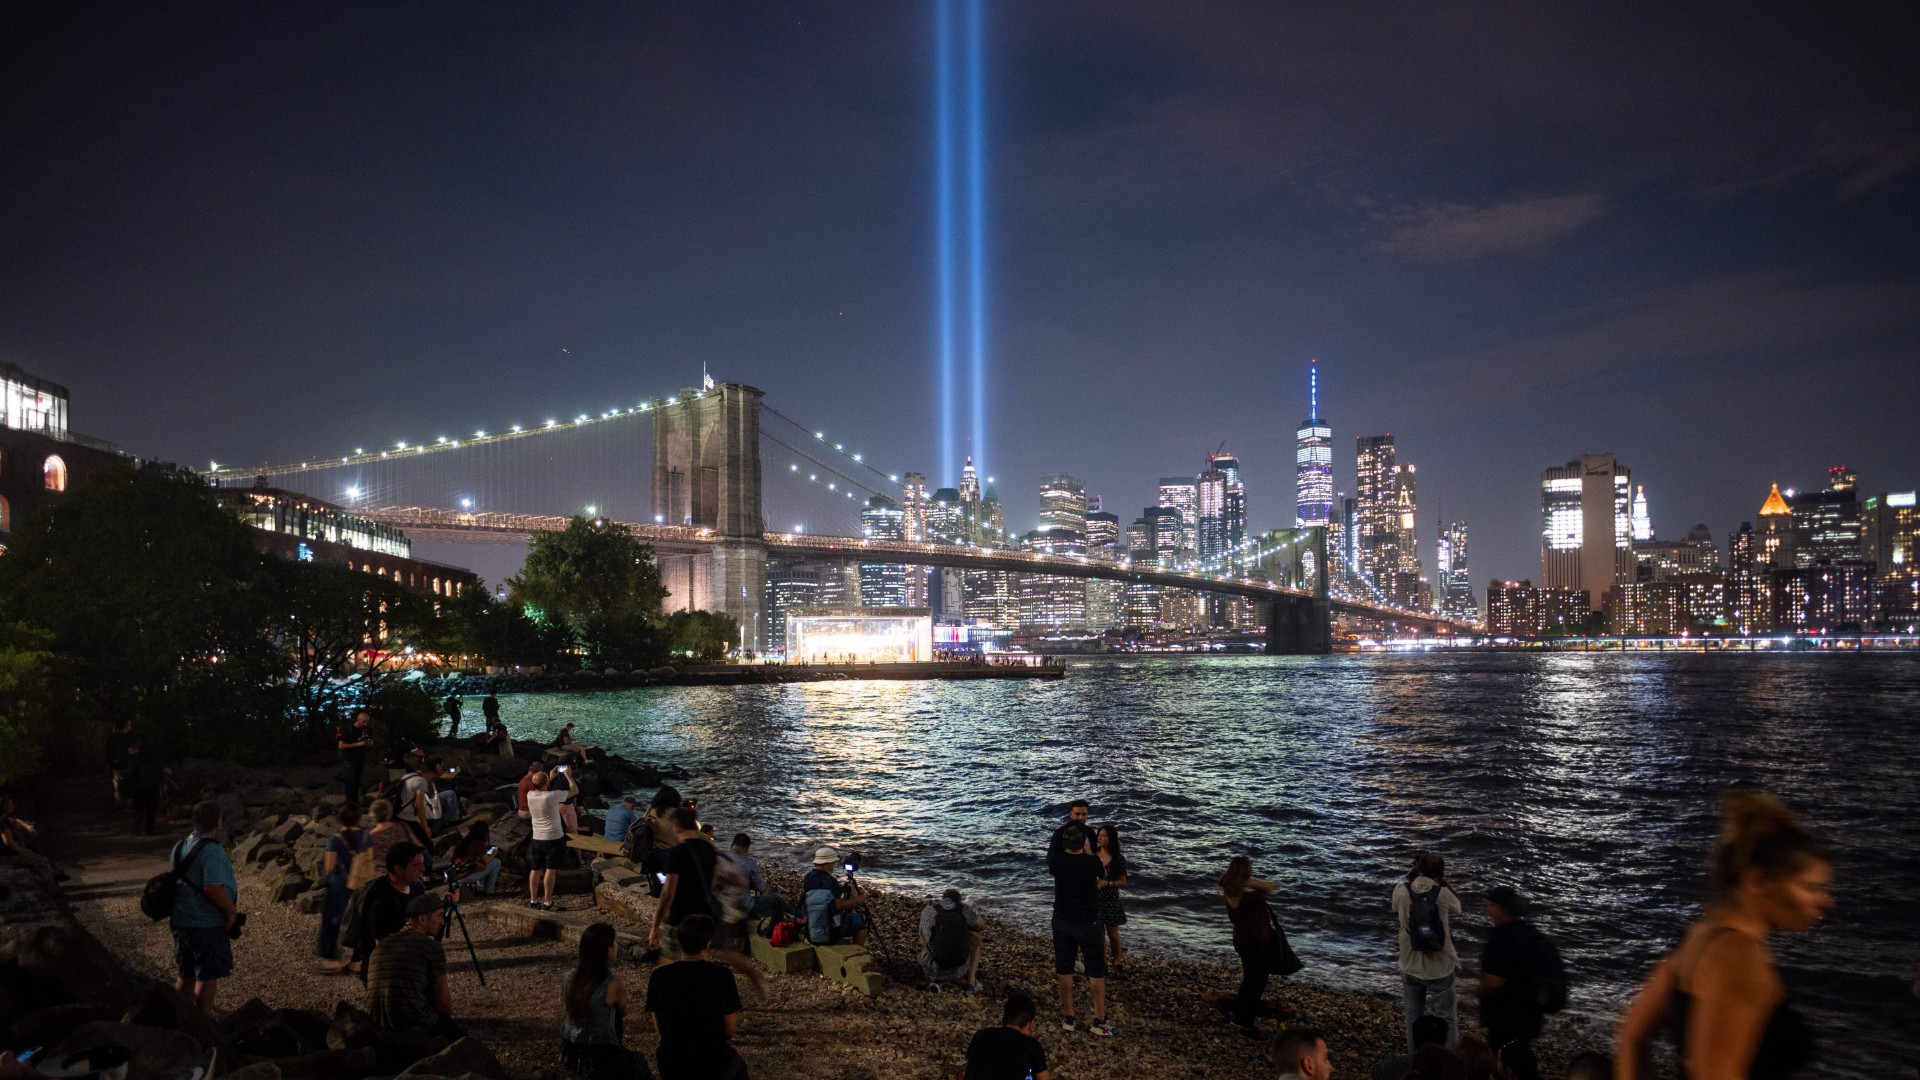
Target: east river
{"points": [[1588, 781]]}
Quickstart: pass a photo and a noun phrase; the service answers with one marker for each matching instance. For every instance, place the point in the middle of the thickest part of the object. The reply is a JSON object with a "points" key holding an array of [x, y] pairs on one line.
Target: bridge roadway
{"points": [[457, 526]]}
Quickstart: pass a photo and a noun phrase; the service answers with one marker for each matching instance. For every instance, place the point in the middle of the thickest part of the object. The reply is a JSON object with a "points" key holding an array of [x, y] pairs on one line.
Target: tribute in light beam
{"points": [[977, 228]]}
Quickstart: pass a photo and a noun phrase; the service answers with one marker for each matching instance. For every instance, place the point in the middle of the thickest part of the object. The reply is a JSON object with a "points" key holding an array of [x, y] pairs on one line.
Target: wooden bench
{"points": [[598, 844]]}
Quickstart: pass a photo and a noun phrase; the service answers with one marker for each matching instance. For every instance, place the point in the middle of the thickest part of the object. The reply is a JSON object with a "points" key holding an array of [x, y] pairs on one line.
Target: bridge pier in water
{"points": [[706, 475], [1300, 627]]}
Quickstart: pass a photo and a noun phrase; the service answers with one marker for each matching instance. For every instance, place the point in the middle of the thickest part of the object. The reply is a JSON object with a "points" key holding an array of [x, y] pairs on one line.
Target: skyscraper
{"points": [[1891, 533], [1642, 521], [914, 505], [970, 498], [1376, 532], [1456, 587], [1051, 603], [1234, 510], [1313, 461], [1063, 503], [1210, 506], [1406, 586], [1826, 524], [1747, 603], [1104, 603], [883, 584], [1586, 526], [1142, 601], [1180, 493]]}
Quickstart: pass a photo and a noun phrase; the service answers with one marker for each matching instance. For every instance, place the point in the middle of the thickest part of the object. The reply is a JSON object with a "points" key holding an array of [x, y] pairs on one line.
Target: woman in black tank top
{"points": [[1717, 992]]}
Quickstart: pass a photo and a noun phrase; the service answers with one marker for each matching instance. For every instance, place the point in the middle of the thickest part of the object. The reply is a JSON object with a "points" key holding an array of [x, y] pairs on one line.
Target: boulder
{"points": [[293, 884], [329, 1065], [259, 1070], [248, 1016], [289, 830], [233, 815], [468, 1055], [311, 902], [53, 965], [45, 1027], [157, 1052], [159, 1005]]}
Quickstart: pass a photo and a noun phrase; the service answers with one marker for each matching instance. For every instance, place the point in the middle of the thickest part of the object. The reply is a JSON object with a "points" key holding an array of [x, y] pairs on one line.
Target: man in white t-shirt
{"points": [[549, 844]]}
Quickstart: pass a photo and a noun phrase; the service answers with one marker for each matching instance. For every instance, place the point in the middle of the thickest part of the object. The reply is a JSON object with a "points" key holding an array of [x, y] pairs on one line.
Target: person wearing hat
{"points": [[407, 987], [950, 934], [833, 906], [1518, 967]]}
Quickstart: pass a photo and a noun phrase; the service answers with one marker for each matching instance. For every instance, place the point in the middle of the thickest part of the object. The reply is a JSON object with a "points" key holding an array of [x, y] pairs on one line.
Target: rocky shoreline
{"points": [[799, 1025]]}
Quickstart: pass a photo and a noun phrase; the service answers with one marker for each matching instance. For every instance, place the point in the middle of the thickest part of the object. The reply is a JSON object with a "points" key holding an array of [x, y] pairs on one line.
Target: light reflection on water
{"points": [[1587, 780]]}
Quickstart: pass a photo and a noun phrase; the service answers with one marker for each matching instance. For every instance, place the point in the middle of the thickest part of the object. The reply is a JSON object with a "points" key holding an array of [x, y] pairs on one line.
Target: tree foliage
{"points": [[599, 583], [703, 635], [324, 617], [30, 700]]}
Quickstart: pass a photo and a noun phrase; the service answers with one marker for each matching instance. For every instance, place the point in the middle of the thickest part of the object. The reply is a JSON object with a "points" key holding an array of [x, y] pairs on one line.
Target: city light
{"points": [[592, 510]]}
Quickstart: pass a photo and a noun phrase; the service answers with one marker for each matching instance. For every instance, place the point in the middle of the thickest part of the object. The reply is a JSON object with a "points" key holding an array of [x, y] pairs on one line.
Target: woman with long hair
{"points": [[594, 1009], [1246, 898], [474, 862], [1718, 990], [336, 864], [1113, 878], [386, 832], [653, 861]]}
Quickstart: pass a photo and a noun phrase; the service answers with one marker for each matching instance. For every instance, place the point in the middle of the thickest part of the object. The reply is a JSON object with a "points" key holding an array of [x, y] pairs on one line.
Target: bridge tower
{"points": [[706, 475], [1304, 627]]}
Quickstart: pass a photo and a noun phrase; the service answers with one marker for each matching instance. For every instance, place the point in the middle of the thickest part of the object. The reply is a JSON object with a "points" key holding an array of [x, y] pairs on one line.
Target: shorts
{"points": [[547, 854], [1085, 938], [202, 953]]}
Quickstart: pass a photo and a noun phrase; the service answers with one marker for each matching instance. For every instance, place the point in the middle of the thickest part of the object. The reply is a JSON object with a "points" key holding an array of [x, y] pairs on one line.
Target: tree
{"points": [[338, 629], [404, 715], [703, 635], [498, 632], [29, 701], [595, 579], [154, 592]]}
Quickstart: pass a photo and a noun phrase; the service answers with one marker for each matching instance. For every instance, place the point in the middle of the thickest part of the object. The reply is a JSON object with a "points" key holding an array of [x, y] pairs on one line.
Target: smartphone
{"points": [[493, 850], [27, 1055], [661, 878], [453, 770], [563, 768]]}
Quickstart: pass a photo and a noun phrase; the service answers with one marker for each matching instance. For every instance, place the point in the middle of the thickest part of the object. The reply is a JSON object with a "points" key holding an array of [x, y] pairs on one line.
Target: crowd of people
{"points": [[1718, 991]]}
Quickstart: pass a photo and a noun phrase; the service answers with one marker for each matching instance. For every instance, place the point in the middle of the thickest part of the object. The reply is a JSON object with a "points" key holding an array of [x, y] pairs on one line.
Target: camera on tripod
{"points": [[851, 863]]}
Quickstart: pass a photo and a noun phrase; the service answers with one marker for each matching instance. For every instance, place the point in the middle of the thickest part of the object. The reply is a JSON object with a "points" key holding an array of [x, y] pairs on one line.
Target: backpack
{"points": [[729, 894], [639, 841], [787, 932], [158, 895], [1550, 988], [353, 923], [947, 945], [1425, 929], [361, 869]]}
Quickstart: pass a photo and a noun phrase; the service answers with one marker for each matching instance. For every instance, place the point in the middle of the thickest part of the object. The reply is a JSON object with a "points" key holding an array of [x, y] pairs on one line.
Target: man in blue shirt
{"points": [[621, 818], [832, 907], [204, 909], [762, 901]]}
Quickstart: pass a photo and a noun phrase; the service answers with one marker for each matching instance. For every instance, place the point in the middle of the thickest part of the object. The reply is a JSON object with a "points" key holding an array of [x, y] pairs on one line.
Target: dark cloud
{"points": [[1452, 231]]}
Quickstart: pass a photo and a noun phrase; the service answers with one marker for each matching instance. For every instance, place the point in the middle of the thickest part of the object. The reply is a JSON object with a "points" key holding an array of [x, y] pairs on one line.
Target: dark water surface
{"points": [[1588, 781]]}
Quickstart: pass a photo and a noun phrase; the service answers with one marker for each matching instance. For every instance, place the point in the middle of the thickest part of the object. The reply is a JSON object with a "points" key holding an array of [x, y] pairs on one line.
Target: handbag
{"points": [[362, 870], [1284, 960]]}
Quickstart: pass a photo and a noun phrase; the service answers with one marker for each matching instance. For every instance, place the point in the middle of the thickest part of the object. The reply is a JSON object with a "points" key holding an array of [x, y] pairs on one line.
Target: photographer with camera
{"points": [[834, 908], [549, 845], [204, 920], [407, 988]]}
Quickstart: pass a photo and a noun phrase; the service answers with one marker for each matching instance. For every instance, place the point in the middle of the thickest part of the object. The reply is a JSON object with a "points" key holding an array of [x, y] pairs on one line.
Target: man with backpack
{"points": [[688, 890], [951, 933], [203, 901], [1521, 981], [1425, 906]]}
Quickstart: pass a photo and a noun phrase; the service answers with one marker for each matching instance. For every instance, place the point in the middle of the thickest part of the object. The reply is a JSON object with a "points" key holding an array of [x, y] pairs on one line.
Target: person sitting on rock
{"points": [[474, 860], [762, 901], [620, 818], [407, 989], [833, 907], [593, 1013], [950, 934]]}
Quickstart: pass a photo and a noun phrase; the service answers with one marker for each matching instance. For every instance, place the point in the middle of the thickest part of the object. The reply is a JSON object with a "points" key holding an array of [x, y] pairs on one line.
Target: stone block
{"points": [[834, 960], [784, 960], [870, 983], [573, 883], [631, 904]]}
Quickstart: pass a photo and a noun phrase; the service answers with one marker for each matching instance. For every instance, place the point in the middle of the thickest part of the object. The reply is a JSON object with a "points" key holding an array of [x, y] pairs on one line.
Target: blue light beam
{"points": [[943, 198], [976, 184]]}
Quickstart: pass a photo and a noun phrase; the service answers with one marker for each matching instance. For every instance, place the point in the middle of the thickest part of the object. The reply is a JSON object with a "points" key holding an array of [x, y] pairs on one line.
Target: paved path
{"points": [[95, 842]]}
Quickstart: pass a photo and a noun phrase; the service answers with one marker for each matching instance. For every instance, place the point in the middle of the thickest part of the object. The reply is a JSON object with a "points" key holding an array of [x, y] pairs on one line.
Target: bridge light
{"points": [[813, 476], [856, 457], [672, 400], [659, 519], [820, 435], [441, 439], [466, 504], [516, 429], [837, 446], [592, 510], [794, 467], [553, 423], [643, 406], [829, 486], [480, 434], [353, 493], [800, 528], [893, 478], [403, 445]]}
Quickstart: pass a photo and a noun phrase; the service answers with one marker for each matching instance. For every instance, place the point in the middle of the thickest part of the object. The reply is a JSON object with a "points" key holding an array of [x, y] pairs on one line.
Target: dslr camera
{"points": [[239, 924], [851, 862]]}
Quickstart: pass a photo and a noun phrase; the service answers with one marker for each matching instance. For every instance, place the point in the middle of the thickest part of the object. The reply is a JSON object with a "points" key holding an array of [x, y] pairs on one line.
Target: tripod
{"points": [[452, 914], [877, 943]]}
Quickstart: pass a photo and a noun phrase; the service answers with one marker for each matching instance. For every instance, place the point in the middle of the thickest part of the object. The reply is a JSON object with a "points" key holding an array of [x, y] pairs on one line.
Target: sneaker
{"points": [[933, 988], [1101, 1029], [534, 904], [1068, 1024], [977, 988]]}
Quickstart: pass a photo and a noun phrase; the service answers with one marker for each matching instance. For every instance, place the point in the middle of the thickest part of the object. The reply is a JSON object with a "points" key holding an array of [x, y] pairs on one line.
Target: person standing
{"points": [[1719, 990], [204, 909], [452, 708], [658, 831], [1113, 878], [145, 773], [1425, 906], [1077, 812], [490, 710], [1008, 1052], [549, 845], [118, 740], [352, 740], [695, 1005], [688, 889], [1247, 909], [1520, 977], [1076, 928], [342, 848]]}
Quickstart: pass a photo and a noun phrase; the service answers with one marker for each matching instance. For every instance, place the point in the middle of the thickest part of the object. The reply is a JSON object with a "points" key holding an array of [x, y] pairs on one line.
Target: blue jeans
{"points": [[328, 947], [483, 879], [1429, 996], [351, 766], [449, 811], [771, 904]]}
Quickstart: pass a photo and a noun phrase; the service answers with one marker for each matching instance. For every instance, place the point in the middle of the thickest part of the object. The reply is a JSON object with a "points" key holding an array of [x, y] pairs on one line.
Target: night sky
{"points": [[1511, 234]]}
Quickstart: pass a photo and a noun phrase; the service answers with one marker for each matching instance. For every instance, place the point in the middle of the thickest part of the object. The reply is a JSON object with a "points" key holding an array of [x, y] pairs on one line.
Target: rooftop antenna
{"points": [[1313, 391]]}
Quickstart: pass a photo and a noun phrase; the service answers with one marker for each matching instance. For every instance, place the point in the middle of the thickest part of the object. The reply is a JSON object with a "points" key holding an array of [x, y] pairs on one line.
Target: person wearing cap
{"points": [[620, 818], [833, 906], [1516, 963], [957, 928], [407, 987]]}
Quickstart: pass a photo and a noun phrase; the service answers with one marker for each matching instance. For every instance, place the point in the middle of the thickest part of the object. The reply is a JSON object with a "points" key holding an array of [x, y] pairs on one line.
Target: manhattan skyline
{"points": [[1508, 241]]}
